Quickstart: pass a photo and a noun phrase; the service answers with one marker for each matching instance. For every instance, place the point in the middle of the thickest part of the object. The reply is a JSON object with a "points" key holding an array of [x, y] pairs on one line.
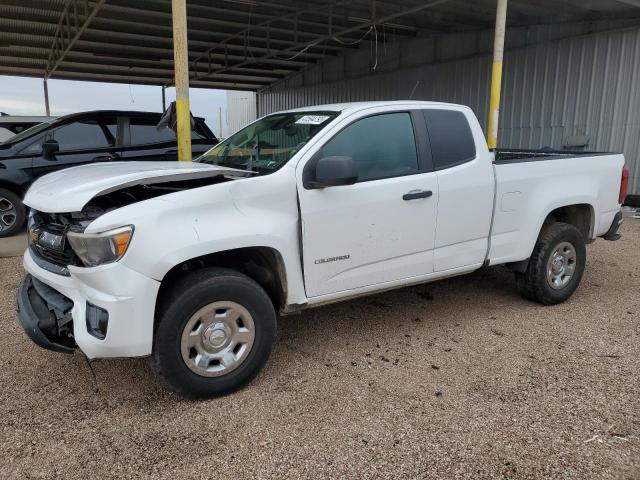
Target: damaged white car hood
{"points": [[71, 189]]}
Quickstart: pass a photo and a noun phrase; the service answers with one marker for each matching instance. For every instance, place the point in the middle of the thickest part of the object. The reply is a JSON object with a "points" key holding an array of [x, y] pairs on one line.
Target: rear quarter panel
{"points": [[528, 191]]}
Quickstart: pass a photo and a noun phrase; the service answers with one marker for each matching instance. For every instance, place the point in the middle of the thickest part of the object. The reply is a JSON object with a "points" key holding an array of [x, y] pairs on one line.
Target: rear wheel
{"points": [[556, 265], [214, 334], [12, 213]]}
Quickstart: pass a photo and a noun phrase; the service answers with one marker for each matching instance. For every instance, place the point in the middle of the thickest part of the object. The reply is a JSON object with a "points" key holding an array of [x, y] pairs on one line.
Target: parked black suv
{"points": [[99, 136]]}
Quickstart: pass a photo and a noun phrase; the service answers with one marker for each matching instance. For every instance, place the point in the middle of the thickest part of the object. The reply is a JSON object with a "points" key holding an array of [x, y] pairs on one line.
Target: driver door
{"points": [[381, 228]]}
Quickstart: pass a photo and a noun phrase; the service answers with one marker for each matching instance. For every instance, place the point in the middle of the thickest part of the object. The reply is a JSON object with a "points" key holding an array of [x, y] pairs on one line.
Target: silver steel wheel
{"points": [[8, 214], [217, 339], [561, 265]]}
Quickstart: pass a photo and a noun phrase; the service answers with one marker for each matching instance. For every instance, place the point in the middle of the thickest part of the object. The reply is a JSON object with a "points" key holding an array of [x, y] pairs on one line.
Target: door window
{"points": [[450, 137], [83, 135], [144, 131], [35, 145], [381, 146], [112, 128]]}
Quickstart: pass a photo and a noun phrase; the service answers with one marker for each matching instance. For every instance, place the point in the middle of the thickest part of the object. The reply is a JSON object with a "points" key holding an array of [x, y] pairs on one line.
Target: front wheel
{"points": [[214, 334], [556, 265]]}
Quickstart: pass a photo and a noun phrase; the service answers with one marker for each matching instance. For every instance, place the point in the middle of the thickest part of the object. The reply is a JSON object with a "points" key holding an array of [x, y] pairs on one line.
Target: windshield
{"points": [[266, 145], [28, 132]]}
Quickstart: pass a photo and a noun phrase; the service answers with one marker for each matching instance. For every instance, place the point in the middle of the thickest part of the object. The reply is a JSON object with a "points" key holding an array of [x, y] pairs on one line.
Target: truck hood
{"points": [[70, 190]]}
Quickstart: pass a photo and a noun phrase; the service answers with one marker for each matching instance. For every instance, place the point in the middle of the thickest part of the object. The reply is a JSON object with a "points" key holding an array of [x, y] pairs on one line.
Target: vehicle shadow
{"points": [[323, 332]]}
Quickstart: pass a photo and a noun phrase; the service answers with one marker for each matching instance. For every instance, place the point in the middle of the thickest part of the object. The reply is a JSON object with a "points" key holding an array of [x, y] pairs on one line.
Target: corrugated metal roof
{"points": [[239, 44]]}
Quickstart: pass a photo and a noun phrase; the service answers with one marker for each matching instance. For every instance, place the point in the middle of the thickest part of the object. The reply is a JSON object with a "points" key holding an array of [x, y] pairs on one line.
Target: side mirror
{"points": [[331, 172], [50, 148]]}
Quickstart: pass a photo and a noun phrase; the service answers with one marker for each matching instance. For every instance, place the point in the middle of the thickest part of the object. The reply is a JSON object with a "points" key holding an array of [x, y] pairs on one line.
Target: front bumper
{"points": [[128, 296], [38, 320]]}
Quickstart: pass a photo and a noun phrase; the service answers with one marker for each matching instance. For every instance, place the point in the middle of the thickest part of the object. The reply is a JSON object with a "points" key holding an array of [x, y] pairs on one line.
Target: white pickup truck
{"points": [[190, 263]]}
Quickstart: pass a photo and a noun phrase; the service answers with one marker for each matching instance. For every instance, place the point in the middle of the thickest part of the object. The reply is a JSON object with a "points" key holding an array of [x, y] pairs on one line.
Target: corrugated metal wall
{"points": [[241, 110], [559, 82]]}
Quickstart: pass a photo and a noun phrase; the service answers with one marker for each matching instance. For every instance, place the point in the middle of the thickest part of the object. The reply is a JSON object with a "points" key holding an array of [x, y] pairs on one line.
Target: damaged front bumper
{"points": [[45, 315], [62, 313]]}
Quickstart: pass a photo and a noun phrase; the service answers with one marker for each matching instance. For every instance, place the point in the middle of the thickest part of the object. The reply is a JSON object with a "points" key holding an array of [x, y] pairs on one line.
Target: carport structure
{"points": [[240, 44], [562, 56]]}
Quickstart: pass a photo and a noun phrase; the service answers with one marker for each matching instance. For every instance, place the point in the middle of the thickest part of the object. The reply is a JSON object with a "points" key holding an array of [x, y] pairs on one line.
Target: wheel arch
{"points": [[580, 215], [13, 188], [265, 265]]}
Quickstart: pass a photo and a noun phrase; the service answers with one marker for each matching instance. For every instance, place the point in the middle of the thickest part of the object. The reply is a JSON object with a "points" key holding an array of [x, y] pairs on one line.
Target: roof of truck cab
{"points": [[357, 106]]}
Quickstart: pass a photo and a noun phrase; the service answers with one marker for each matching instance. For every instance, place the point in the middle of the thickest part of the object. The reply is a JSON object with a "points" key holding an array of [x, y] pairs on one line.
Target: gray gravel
{"points": [[457, 379]]}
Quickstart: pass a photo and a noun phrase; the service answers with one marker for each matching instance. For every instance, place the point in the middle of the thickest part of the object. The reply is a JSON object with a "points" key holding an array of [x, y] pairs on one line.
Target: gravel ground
{"points": [[455, 379]]}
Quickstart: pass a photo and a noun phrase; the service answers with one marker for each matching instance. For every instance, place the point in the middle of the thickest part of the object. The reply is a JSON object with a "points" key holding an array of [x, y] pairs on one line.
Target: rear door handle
{"points": [[105, 158], [415, 194]]}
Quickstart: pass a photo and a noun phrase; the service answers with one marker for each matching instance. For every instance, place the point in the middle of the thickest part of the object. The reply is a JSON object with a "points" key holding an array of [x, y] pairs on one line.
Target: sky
{"points": [[25, 96]]}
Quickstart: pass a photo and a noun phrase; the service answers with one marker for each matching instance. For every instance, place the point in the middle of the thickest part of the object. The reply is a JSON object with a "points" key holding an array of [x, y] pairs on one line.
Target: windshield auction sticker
{"points": [[312, 119]]}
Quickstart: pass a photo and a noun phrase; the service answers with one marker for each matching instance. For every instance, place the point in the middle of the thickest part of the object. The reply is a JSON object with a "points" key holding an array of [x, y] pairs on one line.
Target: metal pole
{"points": [[181, 71], [220, 120], [164, 100], [496, 73], [46, 96]]}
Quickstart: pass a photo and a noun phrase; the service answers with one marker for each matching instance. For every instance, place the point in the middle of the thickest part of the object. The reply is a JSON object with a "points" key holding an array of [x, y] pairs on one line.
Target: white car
{"points": [[190, 263], [12, 125]]}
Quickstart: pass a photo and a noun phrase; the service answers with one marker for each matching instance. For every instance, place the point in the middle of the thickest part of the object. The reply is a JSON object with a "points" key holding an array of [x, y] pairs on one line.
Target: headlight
{"points": [[99, 248], [32, 234]]}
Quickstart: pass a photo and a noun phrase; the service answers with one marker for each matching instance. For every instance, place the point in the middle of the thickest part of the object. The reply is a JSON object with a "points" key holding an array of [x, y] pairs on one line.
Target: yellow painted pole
{"points": [[496, 73], [181, 72]]}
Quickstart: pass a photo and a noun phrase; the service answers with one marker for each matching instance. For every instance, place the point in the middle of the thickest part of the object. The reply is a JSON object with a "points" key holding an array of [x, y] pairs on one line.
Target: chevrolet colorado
{"points": [[190, 263]]}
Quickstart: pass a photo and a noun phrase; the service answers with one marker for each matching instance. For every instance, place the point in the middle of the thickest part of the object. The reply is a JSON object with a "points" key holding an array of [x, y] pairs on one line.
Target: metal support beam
{"points": [[302, 47], [164, 99], [181, 74], [69, 31], [46, 96], [265, 26], [496, 73]]}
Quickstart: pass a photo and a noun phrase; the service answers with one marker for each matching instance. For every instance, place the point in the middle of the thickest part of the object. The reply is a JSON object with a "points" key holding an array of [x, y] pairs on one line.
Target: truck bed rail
{"points": [[504, 155]]}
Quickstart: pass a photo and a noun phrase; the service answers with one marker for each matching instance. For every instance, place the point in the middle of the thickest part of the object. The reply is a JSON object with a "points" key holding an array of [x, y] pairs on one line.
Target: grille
{"points": [[64, 258]]}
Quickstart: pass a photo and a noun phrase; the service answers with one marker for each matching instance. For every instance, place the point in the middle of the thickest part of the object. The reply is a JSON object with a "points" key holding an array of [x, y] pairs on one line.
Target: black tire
{"points": [[533, 284], [18, 213], [190, 294]]}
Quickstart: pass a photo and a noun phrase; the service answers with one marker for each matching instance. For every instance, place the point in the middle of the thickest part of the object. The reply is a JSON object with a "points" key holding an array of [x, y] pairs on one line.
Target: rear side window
{"points": [[450, 137], [143, 131], [198, 132], [381, 146]]}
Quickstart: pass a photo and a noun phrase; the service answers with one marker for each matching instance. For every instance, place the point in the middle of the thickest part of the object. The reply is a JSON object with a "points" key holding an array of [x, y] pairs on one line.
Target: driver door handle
{"points": [[416, 194]]}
